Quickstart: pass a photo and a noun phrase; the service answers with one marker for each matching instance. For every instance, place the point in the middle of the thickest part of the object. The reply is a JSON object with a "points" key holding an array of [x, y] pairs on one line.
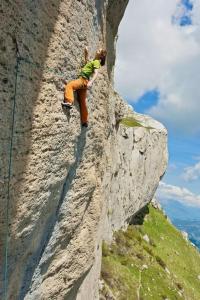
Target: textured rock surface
{"points": [[69, 187]]}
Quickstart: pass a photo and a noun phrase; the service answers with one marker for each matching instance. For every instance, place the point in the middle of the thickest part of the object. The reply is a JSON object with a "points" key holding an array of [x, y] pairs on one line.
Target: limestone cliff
{"points": [[64, 189]]}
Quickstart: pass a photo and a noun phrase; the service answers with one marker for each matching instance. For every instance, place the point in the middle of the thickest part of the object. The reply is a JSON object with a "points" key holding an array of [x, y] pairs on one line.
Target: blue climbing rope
{"points": [[20, 59], [9, 179]]}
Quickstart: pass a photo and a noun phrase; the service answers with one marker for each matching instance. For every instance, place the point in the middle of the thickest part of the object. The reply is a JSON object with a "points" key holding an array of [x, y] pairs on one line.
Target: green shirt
{"points": [[88, 69]]}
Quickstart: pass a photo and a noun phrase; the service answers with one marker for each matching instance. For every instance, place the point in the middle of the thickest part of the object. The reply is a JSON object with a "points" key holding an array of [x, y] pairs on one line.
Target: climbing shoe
{"points": [[85, 124], [66, 105]]}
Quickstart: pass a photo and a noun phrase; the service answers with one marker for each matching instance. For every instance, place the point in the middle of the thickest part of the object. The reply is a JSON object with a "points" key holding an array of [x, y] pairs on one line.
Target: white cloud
{"points": [[192, 173], [153, 53], [181, 194]]}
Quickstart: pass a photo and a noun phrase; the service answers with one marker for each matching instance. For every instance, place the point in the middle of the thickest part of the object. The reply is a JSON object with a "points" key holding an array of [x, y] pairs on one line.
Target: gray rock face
{"points": [[68, 188]]}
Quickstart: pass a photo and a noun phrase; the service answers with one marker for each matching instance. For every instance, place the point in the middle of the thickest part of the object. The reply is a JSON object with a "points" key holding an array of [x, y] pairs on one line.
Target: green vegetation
{"points": [[163, 266], [132, 122]]}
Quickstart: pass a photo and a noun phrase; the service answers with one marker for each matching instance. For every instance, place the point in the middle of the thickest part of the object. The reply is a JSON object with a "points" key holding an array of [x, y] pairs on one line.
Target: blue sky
{"points": [[185, 19], [160, 44]]}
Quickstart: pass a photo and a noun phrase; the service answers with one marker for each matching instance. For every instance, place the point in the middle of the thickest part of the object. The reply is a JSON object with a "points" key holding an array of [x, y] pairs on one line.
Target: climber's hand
{"points": [[89, 84]]}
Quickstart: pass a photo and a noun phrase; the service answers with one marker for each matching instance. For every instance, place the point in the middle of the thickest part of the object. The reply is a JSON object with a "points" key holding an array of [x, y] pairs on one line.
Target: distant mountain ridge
{"points": [[185, 218], [191, 227], [177, 210]]}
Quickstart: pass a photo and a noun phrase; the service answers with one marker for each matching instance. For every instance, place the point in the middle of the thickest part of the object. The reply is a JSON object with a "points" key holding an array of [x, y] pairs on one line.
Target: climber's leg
{"points": [[82, 94], [73, 86]]}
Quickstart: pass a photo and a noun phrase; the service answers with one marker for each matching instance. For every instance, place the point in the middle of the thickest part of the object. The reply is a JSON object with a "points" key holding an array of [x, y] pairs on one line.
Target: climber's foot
{"points": [[66, 105], [85, 124]]}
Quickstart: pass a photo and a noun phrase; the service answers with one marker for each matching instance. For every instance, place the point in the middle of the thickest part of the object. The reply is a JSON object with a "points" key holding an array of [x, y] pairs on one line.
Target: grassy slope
{"points": [[167, 267]]}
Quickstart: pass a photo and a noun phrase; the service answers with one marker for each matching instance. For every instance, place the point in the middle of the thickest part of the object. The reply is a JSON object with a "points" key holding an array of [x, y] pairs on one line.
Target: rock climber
{"points": [[86, 78]]}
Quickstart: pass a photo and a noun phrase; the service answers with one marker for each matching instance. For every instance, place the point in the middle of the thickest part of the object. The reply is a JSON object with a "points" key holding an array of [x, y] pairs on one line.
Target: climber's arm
{"points": [[86, 55], [95, 74]]}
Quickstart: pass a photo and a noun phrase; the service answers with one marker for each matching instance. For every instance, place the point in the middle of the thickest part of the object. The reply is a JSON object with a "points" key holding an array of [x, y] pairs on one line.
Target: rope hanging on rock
{"points": [[10, 175], [19, 60]]}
